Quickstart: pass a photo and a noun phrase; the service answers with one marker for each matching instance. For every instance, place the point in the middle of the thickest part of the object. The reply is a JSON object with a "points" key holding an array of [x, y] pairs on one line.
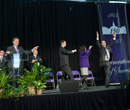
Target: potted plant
{"points": [[39, 86], [41, 72], [41, 75], [10, 91], [22, 90], [28, 81], [35, 79], [4, 80]]}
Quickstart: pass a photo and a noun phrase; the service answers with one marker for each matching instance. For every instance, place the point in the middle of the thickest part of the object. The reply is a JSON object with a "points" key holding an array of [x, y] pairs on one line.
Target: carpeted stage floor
{"points": [[94, 98], [90, 89]]}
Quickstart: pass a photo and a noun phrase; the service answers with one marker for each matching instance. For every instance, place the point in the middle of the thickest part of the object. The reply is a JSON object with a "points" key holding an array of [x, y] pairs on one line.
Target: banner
{"points": [[112, 17]]}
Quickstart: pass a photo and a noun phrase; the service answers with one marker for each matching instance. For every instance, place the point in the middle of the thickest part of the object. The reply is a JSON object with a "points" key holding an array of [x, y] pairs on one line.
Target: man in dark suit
{"points": [[35, 58], [3, 61], [106, 56], [16, 49], [64, 61]]}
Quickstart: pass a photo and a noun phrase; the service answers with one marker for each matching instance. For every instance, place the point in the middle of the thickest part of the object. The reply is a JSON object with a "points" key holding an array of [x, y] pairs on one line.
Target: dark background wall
{"points": [[46, 23]]}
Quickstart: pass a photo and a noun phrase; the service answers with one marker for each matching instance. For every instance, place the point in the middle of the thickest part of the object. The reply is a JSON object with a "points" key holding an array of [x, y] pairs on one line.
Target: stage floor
{"points": [[90, 89]]}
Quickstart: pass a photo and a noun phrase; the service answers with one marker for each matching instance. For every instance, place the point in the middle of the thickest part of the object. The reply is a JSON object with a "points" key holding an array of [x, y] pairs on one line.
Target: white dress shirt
{"points": [[107, 55]]}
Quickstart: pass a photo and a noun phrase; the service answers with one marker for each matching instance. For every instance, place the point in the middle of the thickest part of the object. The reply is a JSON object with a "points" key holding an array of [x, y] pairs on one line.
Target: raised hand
{"points": [[114, 34], [90, 47], [97, 34], [35, 48], [75, 50]]}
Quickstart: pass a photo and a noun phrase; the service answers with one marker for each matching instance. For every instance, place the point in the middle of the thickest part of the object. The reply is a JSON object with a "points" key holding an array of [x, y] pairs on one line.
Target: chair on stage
{"points": [[51, 80], [90, 79], [76, 75], [59, 76]]}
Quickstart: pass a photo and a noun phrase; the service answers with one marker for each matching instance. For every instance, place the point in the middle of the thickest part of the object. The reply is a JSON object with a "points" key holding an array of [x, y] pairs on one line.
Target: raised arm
{"points": [[30, 51], [97, 40], [63, 50], [89, 50], [114, 38], [86, 52]]}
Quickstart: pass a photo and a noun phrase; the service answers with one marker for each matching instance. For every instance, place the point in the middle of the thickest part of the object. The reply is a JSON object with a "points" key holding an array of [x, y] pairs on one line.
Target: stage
{"points": [[94, 98], [90, 89]]}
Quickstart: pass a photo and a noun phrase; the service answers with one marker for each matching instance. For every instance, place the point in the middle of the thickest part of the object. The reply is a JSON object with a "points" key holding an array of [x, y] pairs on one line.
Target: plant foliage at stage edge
{"points": [[36, 78]]}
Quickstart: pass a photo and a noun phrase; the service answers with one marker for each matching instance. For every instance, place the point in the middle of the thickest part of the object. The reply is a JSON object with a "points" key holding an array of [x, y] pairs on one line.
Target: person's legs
{"points": [[83, 82], [84, 74], [84, 86], [63, 73], [15, 77], [83, 79], [107, 72], [68, 71], [12, 82]]}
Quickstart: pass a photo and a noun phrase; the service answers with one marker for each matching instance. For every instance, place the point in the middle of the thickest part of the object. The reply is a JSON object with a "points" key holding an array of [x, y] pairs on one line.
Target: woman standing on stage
{"points": [[84, 64]]}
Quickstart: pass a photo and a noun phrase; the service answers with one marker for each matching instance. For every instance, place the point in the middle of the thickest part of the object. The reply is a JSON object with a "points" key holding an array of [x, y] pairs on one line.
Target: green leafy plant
{"points": [[4, 78], [22, 90], [39, 85], [36, 78], [10, 91], [28, 79], [7, 89], [41, 73]]}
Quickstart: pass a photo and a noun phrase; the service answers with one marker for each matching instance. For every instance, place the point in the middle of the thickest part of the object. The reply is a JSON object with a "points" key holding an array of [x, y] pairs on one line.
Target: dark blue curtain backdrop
{"points": [[115, 19], [45, 24]]}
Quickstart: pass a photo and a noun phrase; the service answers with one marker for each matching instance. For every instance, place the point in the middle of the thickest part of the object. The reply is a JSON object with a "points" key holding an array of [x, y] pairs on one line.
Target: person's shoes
{"points": [[81, 81], [80, 84], [107, 86], [84, 86]]}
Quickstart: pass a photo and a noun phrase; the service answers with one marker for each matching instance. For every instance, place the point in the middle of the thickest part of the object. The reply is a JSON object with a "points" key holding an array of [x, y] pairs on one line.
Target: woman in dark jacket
{"points": [[84, 64]]}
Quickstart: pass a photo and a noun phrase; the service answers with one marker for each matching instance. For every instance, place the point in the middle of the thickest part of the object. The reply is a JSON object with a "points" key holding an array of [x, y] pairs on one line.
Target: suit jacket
{"points": [[84, 58], [63, 54], [102, 51], [13, 51], [3, 64], [33, 58]]}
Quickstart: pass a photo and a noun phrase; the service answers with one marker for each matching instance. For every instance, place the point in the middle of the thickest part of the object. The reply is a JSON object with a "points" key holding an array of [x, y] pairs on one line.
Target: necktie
{"points": [[17, 51], [107, 53], [1, 59]]}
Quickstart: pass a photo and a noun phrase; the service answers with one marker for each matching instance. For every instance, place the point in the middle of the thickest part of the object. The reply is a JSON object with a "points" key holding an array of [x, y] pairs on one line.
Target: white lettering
{"points": [[124, 61], [117, 70]]}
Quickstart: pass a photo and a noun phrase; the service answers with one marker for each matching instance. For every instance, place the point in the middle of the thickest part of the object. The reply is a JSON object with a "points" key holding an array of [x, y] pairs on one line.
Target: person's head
{"points": [[82, 48], [35, 52], [63, 43], [15, 41], [103, 43], [1, 52]]}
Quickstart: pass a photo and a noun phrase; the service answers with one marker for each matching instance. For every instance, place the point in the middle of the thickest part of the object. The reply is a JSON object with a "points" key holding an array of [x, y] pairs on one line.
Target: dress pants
{"points": [[15, 75], [66, 70], [106, 66]]}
